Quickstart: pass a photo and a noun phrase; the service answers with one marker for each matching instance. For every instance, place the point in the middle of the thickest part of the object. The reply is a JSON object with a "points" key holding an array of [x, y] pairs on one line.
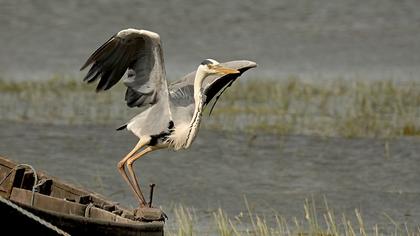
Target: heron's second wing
{"points": [[182, 90], [140, 52], [217, 85], [183, 95]]}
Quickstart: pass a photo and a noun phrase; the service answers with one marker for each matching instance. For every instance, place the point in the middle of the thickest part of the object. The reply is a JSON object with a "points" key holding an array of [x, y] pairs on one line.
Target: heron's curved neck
{"points": [[198, 83], [198, 108]]}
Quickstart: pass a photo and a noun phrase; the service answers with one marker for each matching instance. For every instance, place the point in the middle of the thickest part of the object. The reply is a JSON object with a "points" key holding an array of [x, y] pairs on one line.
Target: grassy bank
{"points": [[285, 106], [316, 222]]}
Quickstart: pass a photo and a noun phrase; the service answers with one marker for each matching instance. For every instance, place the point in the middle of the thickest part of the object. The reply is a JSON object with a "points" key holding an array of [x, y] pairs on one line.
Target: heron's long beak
{"points": [[225, 70]]}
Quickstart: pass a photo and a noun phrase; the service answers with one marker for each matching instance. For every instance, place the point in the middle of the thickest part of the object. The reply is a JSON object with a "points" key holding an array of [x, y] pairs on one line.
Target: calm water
{"points": [[275, 173], [346, 38]]}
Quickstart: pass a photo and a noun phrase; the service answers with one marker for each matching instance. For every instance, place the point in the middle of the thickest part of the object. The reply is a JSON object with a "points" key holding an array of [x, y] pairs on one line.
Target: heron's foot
{"points": [[146, 213]]}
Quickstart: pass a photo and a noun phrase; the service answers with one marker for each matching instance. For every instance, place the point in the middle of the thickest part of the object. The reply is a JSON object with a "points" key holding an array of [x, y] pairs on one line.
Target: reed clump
{"points": [[329, 108], [346, 108], [315, 222]]}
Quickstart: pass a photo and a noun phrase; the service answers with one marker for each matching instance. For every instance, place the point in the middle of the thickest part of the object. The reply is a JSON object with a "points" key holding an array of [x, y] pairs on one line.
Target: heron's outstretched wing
{"points": [[182, 91], [140, 52]]}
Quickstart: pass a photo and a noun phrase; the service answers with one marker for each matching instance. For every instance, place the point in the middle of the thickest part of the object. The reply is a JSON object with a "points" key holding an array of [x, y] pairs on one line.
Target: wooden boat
{"points": [[52, 207]]}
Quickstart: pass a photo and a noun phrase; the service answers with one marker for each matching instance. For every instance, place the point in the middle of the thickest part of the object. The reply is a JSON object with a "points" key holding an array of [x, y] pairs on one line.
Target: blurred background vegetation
{"points": [[334, 108]]}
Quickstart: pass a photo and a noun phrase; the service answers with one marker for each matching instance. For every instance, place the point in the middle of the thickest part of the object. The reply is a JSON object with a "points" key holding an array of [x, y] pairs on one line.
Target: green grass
{"points": [[339, 107], [316, 222], [329, 108]]}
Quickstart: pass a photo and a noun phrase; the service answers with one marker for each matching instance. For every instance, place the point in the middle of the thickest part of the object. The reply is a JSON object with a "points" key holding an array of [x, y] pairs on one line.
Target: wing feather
{"points": [[212, 85], [139, 52]]}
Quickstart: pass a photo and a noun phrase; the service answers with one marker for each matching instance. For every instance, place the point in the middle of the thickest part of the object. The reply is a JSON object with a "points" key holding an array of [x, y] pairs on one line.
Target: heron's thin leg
{"points": [[130, 162], [121, 169]]}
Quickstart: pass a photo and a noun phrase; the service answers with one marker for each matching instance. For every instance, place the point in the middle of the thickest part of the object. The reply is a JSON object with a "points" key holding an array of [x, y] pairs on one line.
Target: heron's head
{"points": [[210, 67]]}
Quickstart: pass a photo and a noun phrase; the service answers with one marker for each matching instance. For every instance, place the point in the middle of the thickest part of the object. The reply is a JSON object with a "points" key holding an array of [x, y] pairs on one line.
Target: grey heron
{"points": [[173, 111]]}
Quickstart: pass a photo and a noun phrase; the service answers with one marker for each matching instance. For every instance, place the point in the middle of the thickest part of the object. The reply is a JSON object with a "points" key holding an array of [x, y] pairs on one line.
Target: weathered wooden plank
{"points": [[7, 181], [149, 214], [6, 162], [98, 213], [9, 177], [46, 202]]}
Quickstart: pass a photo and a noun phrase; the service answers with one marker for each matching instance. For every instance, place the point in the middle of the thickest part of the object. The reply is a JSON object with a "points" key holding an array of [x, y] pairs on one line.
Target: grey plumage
{"points": [[213, 83], [173, 113], [182, 91], [139, 52]]}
